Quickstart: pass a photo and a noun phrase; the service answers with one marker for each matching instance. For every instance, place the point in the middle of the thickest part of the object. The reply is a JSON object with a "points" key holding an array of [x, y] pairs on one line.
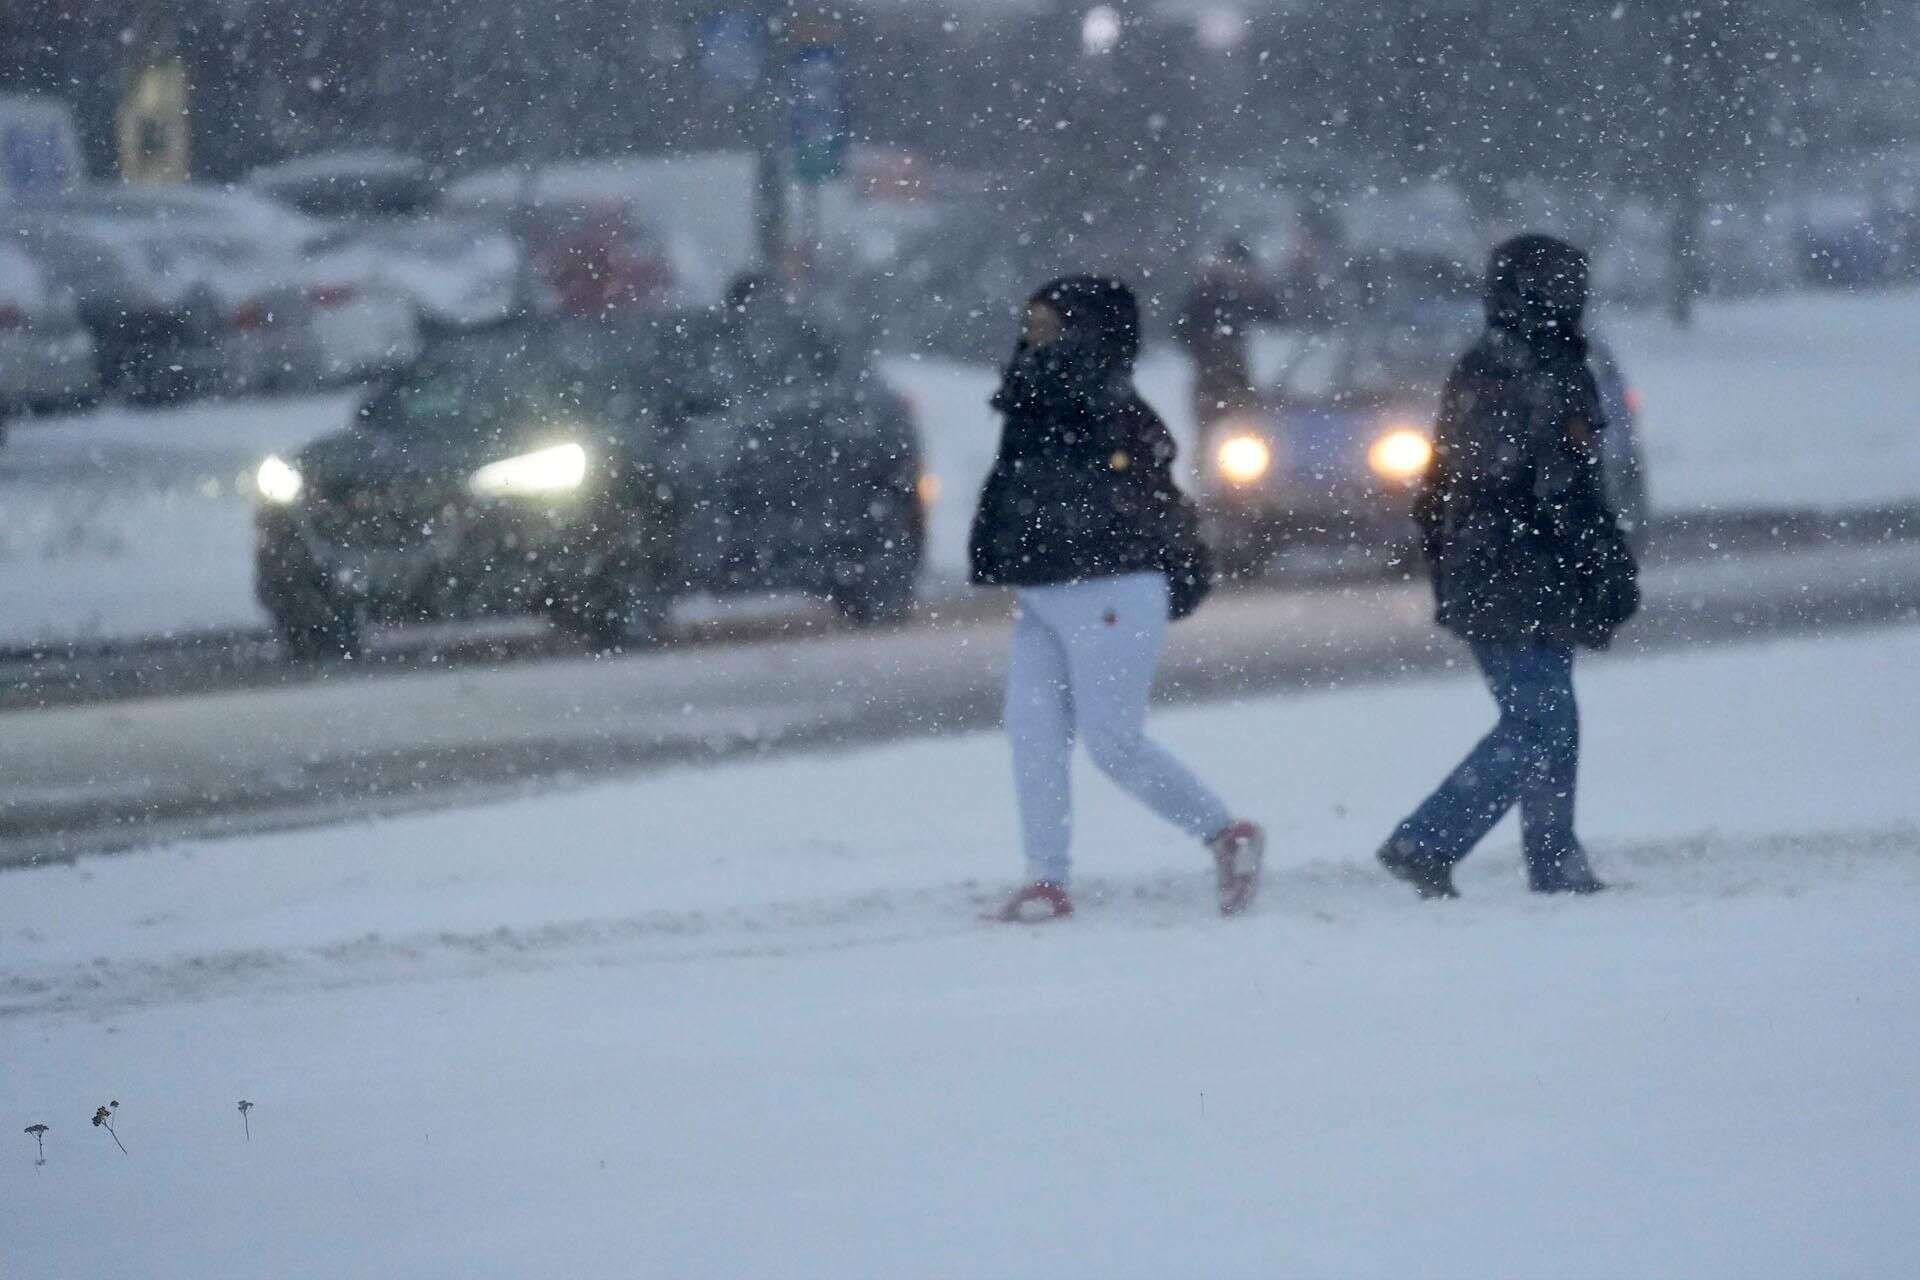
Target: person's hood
{"points": [[1537, 291], [1099, 316]]}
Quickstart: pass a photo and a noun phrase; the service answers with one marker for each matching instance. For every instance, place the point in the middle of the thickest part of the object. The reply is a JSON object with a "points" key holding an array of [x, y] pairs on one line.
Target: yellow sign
{"points": [[152, 124]]}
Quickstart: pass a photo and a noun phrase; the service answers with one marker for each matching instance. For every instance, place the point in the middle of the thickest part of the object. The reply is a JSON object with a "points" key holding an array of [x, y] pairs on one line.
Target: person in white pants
{"points": [[1082, 516]]}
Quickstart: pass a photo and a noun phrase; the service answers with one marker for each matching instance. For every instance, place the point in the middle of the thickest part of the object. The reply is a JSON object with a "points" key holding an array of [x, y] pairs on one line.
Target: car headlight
{"points": [[1242, 458], [558, 469], [277, 481], [1400, 455]]}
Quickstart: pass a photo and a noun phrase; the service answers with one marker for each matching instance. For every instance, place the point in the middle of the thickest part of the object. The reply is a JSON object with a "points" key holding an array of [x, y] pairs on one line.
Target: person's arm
{"points": [[1562, 442]]}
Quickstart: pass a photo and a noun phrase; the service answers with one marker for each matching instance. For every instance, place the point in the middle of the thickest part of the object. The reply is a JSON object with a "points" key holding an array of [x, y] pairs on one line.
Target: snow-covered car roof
{"points": [[358, 181], [231, 208]]}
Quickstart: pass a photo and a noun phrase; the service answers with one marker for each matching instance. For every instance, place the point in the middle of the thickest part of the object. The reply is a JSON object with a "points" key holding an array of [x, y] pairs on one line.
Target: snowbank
{"points": [[741, 1021]]}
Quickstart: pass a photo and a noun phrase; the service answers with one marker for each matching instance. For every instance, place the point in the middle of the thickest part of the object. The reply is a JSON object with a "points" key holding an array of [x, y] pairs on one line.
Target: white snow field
{"points": [[743, 1022], [136, 524], [128, 522]]}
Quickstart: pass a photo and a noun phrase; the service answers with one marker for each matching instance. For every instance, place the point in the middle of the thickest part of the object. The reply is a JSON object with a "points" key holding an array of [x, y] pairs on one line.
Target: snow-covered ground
{"points": [[741, 1021], [132, 522], [124, 523]]}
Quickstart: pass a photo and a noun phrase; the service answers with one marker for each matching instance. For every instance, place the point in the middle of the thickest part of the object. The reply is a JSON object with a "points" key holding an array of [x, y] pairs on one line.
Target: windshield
{"points": [[486, 387], [1410, 355]]}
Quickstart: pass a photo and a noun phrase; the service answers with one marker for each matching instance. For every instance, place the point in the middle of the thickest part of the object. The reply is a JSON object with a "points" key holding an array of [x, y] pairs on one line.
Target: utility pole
{"points": [[767, 115]]}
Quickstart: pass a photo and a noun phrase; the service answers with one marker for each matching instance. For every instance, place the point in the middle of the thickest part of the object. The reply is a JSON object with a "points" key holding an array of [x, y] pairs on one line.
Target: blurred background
{"points": [[223, 221]]}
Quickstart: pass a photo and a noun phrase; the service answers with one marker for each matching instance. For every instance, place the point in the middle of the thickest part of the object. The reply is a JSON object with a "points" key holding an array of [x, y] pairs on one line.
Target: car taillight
{"points": [[251, 315], [12, 317], [1634, 401], [332, 295]]}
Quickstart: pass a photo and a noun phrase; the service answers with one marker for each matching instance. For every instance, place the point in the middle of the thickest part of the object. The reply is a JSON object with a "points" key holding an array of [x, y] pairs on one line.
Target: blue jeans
{"points": [[1530, 758]]}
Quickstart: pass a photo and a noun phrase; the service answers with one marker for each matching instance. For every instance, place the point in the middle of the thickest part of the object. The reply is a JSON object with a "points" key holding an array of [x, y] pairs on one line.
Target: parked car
{"points": [[353, 183], [47, 358], [1332, 449], [296, 318], [227, 209], [153, 341], [191, 291], [595, 258], [590, 473], [459, 273]]}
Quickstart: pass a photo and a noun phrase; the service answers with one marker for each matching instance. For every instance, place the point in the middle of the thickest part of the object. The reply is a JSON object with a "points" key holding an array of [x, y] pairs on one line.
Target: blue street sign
{"points": [[35, 159], [818, 81], [733, 50]]}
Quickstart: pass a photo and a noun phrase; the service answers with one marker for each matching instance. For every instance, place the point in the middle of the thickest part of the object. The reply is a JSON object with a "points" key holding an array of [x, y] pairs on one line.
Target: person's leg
{"points": [[1544, 698], [1482, 787], [1039, 720], [1112, 630]]}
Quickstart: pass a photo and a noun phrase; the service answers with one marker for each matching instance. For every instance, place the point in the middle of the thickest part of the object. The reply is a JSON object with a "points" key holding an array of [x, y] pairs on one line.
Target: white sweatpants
{"points": [[1083, 660]]}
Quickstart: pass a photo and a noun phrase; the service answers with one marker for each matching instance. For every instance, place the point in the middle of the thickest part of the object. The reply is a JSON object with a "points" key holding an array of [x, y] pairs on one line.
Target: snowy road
{"points": [[89, 777], [742, 1021]]}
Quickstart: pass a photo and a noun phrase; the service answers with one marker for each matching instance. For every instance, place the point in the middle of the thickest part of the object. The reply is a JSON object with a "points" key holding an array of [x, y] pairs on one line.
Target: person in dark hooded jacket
{"points": [[1081, 514], [1510, 511]]}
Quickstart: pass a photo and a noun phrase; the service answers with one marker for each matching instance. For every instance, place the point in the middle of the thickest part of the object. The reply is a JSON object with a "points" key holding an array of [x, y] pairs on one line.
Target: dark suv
{"points": [[591, 473]]}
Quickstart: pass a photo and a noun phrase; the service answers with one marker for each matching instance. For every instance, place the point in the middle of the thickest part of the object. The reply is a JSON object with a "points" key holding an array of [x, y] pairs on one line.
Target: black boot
{"points": [[1569, 873], [1429, 879]]}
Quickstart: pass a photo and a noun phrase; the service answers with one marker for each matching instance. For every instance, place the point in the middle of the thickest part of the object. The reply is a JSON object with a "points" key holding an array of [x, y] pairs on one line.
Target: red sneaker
{"points": [[1038, 903], [1237, 854]]}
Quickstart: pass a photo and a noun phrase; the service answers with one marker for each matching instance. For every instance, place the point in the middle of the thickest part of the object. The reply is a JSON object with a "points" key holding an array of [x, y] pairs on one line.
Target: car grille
{"points": [[380, 518]]}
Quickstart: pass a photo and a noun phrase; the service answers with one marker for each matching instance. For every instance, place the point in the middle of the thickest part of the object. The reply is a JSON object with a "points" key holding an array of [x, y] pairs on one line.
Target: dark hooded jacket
{"points": [[1512, 511], [1083, 484]]}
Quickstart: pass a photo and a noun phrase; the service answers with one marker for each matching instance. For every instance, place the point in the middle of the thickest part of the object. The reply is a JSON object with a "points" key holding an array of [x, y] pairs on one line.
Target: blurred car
{"points": [[190, 291], [459, 273], [306, 317], [594, 258], [222, 208], [1332, 449], [590, 473], [377, 204], [352, 183], [153, 340], [47, 357]]}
